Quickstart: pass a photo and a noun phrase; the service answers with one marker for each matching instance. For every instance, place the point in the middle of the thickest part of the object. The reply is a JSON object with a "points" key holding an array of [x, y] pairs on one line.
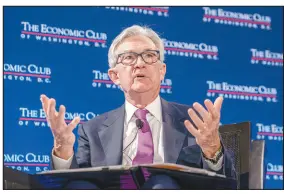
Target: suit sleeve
{"points": [[82, 159], [227, 168]]}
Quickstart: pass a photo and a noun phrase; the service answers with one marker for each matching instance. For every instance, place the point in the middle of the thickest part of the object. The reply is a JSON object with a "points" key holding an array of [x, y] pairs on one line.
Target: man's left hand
{"points": [[207, 132]]}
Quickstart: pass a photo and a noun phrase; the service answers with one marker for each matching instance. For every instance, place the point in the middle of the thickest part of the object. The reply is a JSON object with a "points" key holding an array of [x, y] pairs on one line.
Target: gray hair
{"points": [[134, 31]]}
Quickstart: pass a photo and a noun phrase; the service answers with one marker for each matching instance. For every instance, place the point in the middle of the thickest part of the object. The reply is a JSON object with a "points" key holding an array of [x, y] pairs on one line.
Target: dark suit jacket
{"points": [[100, 141]]}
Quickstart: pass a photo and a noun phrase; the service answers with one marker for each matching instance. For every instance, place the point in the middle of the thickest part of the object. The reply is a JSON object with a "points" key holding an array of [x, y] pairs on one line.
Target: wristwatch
{"points": [[216, 157]]}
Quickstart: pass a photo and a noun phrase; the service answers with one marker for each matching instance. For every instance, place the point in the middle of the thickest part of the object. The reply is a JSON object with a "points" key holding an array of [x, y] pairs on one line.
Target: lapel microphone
{"points": [[139, 123]]}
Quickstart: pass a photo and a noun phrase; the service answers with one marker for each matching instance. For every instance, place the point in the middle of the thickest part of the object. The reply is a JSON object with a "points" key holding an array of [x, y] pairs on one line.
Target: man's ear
{"points": [[163, 70], [113, 75]]}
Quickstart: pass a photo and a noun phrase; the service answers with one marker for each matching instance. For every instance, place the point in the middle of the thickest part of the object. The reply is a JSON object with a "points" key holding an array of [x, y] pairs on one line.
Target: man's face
{"points": [[139, 77]]}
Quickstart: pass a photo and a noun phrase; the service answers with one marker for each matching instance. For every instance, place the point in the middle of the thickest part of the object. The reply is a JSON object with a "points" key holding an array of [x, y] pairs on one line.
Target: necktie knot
{"points": [[141, 113]]}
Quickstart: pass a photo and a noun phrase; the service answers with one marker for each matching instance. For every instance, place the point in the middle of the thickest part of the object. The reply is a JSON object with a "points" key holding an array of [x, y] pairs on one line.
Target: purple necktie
{"points": [[145, 150]]}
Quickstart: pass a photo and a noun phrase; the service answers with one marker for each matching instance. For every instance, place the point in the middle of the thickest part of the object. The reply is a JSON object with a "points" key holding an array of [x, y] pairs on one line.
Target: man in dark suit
{"points": [[145, 129]]}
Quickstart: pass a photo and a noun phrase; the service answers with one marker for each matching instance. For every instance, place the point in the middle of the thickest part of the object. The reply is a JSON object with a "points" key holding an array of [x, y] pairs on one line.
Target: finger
{"points": [[212, 110], [61, 114], [191, 129], [73, 124], [51, 110], [44, 101], [218, 103], [60, 121], [43, 97], [55, 113], [202, 111], [196, 120]]}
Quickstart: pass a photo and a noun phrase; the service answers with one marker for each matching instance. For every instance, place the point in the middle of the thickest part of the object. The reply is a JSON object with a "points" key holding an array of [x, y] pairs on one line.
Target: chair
{"points": [[14, 179], [248, 156]]}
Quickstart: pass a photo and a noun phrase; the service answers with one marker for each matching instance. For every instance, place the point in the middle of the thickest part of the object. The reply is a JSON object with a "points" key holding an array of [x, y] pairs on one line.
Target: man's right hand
{"points": [[64, 137]]}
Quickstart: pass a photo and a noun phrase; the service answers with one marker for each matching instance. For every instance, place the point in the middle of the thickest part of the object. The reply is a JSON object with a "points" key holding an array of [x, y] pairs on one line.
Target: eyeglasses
{"points": [[130, 58]]}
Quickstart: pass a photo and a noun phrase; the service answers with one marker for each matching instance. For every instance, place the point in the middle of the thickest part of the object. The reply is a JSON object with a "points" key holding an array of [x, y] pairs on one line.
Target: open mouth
{"points": [[139, 76]]}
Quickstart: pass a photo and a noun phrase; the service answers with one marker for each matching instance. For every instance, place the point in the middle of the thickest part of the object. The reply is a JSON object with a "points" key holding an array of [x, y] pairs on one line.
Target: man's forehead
{"points": [[134, 48], [137, 50], [136, 43], [137, 38]]}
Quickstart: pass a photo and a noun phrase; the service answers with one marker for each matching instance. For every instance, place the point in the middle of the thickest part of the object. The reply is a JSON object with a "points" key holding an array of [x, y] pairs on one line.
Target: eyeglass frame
{"points": [[138, 54]]}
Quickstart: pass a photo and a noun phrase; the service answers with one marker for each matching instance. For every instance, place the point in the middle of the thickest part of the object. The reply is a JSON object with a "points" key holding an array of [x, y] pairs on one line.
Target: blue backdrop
{"points": [[236, 52]]}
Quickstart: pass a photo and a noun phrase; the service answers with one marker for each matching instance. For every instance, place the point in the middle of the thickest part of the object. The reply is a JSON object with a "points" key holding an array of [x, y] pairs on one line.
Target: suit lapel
{"points": [[173, 132], [111, 136]]}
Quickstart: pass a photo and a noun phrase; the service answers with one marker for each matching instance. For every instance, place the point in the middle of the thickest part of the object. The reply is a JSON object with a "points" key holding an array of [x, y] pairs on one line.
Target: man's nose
{"points": [[140, 62]]}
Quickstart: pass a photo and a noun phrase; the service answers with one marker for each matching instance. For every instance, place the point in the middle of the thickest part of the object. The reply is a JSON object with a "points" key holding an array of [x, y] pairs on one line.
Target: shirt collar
{"points": [[154, 108]]}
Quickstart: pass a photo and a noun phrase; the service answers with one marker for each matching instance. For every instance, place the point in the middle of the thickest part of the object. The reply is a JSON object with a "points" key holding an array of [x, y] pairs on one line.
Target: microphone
{"points": [[139, 123]]}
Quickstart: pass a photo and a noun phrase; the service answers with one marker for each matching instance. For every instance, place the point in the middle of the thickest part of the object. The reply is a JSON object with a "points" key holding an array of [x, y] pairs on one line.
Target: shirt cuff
{"points": [[59, 163], [217, 166]]}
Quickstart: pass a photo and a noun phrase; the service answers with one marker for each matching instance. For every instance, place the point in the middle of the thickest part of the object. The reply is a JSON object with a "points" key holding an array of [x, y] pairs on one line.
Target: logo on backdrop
{"points": [[160, 11], [269, 132], [27, 73], [61, 35], [266, 57], [37, 117], [242, 92], [274, 172], [27, 162], [221, 16], [101, 79], [193, 50], [166, 86]]}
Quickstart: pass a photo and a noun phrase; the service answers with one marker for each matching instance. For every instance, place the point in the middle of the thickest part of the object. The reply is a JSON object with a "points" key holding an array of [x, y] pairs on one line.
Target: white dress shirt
{"points": [[130, 137], [154, 118]]}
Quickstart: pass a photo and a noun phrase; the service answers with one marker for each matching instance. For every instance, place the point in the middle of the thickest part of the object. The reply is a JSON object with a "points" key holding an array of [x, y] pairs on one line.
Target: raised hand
{"points": [[207, 132], [64, 137]]}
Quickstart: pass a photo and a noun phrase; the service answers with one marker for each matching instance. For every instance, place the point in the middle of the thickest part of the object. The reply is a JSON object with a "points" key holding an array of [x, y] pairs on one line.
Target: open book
{"points": [[166, 166], [133, 177]]}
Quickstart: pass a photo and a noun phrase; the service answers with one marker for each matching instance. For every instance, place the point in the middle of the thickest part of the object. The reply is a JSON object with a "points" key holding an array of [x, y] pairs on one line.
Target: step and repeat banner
{"points": [[235, 52]]}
